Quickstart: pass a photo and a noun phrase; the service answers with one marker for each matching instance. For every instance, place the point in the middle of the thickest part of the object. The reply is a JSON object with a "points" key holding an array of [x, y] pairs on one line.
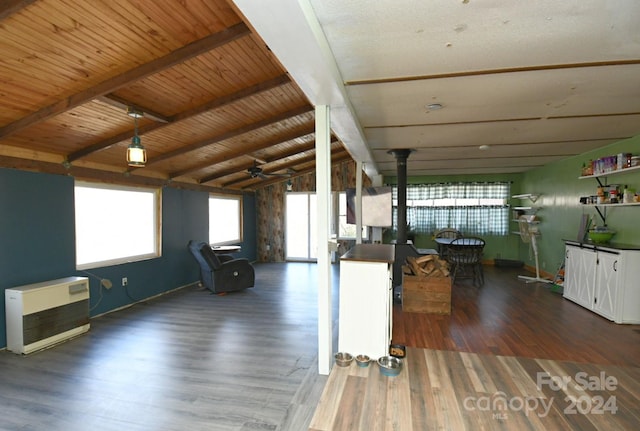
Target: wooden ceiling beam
{"points": [[242, 152], [230, 134], [213, 104], [99, 175], [336, 159], [337, 155], [110, 85], [9, 7], [124, 104], [298, 150], [237, 96]]}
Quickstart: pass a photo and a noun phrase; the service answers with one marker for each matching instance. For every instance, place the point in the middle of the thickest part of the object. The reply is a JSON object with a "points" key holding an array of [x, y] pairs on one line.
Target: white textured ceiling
{"points": [[534, 80]]}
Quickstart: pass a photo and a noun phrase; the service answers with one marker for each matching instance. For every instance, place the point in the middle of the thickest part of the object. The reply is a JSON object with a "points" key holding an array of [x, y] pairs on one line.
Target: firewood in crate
{"points": [[429, 265], [415, 268], [443, 266]]}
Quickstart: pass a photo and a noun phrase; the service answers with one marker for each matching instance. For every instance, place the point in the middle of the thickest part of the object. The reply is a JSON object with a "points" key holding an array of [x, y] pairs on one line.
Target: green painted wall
{"points": [[560, 209]]}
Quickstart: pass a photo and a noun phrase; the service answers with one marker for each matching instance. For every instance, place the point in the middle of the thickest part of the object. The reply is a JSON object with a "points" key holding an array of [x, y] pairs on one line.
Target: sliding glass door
{"points": [[300, 229]]}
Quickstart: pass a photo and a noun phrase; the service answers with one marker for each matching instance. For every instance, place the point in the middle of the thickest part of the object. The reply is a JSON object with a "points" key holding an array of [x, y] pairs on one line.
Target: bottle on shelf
{"points": [[628, 196]]}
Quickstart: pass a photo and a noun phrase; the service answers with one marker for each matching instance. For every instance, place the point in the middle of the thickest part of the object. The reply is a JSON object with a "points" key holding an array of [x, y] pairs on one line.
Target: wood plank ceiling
{"points": [[216, 101]]}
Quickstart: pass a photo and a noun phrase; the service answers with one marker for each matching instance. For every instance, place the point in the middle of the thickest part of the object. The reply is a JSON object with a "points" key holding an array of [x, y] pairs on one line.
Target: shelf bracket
{"points": [[602, 216]]}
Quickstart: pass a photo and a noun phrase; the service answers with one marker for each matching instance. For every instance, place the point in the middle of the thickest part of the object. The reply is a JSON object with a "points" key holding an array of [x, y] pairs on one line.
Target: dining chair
{"points": [[465, 257], [445, 233]]}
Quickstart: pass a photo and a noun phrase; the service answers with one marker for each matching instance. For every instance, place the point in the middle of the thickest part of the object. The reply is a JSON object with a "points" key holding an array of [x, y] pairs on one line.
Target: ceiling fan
{"points": [[256, 171]]}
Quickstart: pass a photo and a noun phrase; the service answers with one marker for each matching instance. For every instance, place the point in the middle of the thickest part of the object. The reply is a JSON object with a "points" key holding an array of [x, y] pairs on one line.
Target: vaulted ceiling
{"points": [[216, 101], [229, 85]]}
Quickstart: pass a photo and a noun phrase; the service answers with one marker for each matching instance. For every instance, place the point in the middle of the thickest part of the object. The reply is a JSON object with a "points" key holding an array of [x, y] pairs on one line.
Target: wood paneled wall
{"points": [[270, 207]]}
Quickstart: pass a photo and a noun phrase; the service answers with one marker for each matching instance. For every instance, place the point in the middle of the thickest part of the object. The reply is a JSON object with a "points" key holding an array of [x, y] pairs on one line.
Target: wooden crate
{"points": [[426, 294]]}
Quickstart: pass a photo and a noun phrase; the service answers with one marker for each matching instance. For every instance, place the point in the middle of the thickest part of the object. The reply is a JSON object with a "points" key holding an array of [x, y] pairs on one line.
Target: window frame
{"points": [[157, 222], [240, 200]]}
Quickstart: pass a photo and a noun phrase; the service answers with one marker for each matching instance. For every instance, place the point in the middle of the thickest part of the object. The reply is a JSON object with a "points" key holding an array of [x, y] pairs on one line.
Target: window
{"points": [[225, 219], [301, 226], [115, 224], [472, 208], [345, 230]]}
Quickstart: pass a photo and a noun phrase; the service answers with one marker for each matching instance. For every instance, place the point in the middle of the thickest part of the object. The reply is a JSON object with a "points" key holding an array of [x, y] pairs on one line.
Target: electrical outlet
{"points": [[125, 281], [268, 247]]}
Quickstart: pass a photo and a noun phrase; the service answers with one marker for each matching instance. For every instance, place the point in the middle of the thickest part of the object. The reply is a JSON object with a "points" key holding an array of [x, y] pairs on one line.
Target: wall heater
{"points": [[42, 314]]}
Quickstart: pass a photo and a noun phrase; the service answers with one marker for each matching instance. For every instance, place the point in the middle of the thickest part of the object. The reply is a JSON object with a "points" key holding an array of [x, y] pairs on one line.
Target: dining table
{"points": [[466, 241], [443, 243]]}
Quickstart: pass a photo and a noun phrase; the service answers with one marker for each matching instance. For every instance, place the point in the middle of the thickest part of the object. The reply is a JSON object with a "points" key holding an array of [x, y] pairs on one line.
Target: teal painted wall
{"points": [[37, 241], [561, 211]]}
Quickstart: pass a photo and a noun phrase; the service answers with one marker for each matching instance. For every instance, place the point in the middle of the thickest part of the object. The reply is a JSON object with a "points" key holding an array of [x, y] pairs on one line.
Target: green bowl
{"points": [[601, 236]]}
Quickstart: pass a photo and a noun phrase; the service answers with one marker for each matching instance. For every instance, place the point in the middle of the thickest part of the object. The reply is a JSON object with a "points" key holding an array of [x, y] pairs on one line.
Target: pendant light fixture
{"points": [[136, 154]]}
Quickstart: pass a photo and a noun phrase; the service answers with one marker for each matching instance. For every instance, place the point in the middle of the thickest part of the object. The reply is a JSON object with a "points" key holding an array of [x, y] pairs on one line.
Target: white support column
{"points": [[359, 202], [323, 196]]}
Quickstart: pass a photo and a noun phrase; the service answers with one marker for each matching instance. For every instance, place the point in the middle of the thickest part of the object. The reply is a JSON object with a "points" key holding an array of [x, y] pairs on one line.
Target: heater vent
{"points": [[43, 314]]}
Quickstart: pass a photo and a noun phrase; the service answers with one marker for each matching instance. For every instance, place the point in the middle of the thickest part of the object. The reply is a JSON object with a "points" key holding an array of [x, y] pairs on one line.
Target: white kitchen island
{"points": [[366, 300]]}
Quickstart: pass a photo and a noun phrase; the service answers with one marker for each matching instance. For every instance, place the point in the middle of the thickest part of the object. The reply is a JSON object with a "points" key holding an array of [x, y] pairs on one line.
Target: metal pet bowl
{"points": [[390, 365], [363, 360], [343, 359]]}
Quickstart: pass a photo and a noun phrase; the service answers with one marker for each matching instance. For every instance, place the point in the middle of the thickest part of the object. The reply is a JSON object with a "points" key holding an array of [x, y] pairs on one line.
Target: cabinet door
{"points": [[580, 273], [364, 309], [604, 300], [570, 288]]}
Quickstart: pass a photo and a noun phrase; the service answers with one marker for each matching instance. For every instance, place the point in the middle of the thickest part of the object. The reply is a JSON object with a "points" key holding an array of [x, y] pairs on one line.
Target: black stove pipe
{"points": [[401, 156]]}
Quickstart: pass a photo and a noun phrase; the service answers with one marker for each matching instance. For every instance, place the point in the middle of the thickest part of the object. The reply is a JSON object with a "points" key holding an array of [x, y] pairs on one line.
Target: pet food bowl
{"points": [[601, 236], [363, 360], [343, 359], [390, 365]]}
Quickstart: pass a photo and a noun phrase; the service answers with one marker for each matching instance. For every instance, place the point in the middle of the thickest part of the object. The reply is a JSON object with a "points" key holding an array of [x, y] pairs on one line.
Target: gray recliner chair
{"points": [[220, 272]]}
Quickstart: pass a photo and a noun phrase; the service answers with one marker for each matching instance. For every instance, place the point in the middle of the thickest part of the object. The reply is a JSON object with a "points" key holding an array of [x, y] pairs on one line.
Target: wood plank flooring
{"points": [[449, 390], [511, 356], [247, 361], [511, 318], [188, 360]]}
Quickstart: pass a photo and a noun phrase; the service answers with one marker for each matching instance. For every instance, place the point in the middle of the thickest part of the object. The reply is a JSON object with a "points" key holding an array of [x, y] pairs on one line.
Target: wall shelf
{"points": [[533, 197], [603, 213], [605, 174], [613, 205]]}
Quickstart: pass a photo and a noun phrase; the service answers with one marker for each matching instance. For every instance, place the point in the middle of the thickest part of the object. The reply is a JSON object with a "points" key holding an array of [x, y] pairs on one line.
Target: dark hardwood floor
{"points": [[509, 317]]}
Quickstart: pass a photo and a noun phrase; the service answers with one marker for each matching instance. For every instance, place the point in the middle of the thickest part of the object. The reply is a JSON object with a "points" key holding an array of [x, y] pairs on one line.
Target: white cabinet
{"points": [[580, 275], [365, 309], [604, 280]]}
